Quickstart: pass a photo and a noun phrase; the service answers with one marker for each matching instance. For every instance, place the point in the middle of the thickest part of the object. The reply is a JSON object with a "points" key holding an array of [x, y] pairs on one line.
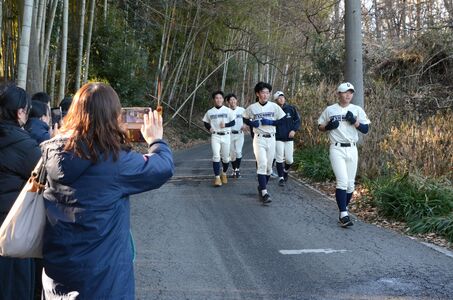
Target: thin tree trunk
{"points": [[162, 45], [24, 44], [49, 29], [189, 41], [80, 54], [105, 10], [196, 88], [34, 69], [64, 48], [377, 19], [54, 71], [200, 65], [1, 30], [244, 70], [88, 46]]}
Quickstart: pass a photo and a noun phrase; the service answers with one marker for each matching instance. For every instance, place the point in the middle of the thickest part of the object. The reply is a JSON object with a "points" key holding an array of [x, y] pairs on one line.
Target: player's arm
{"points": [[207, 126], [296, 120], [362, 127], [230, 124], [250, 123], [332, 124]]}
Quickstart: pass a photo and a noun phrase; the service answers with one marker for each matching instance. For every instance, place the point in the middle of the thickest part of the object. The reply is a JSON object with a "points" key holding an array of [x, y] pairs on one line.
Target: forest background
{"points": [[198, 46]]}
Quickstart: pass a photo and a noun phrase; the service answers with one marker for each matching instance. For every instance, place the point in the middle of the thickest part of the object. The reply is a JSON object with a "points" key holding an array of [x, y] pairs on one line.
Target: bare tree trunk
{"points": [[418, 16], [2, 54], [225, 70], [353, 40], [200, 64], [244, 74], [88, 46], [48, 37], [190, 39], [336, 16], [377, 19], [64, 48], [54, 70], [80, 54], [24, 44], [35, 80], [403, 18], [105, 10]]}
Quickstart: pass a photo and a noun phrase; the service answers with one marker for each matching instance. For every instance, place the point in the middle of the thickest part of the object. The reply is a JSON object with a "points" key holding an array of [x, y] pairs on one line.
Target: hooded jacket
{"points": [[38, 129], [87, 243], [19, 154], [290, 122]]}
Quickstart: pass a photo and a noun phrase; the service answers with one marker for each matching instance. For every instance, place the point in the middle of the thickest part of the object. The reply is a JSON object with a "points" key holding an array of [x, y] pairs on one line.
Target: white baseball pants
{"points": [[264, 150], [344, 165], [284, 151], [237, 142], [220, 145]]}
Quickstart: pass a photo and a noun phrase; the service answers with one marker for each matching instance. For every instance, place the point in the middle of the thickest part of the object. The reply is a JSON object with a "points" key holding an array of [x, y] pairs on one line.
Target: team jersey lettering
{"points": [[218, 116], [269, 114]]}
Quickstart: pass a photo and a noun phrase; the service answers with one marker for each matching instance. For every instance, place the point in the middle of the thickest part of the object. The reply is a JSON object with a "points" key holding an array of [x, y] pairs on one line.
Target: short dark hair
{"points": [[261, 86], [231, 95], [38, 109], [42, 97], [12, 98], [217, 93], [65, 103]]}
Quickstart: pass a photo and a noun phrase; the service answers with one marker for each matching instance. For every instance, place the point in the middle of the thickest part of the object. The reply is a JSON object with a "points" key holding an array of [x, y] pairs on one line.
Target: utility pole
{"points": [[353, 41]]}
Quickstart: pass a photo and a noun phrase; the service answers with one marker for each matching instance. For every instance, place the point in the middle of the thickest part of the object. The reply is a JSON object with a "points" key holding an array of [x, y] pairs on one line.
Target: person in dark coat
{"points": [[38, 121], [285, 131], [19, 154], [91, 171]]}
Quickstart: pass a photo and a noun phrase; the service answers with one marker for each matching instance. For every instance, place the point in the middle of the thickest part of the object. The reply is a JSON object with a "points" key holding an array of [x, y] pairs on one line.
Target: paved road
{"points": [[195, 241]]}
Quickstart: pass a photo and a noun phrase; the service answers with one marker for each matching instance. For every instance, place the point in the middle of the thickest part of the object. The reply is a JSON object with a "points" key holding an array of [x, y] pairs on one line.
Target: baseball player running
{"points": [[342, 121], [237, 135], [285, 138], [263, 116], [218, 120]]}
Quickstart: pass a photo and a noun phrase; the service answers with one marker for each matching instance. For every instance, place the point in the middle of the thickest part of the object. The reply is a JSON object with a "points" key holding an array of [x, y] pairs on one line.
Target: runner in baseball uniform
{"points": [[263, 116], [218, 120], [285, 138], [343, 121], [237, 135]]}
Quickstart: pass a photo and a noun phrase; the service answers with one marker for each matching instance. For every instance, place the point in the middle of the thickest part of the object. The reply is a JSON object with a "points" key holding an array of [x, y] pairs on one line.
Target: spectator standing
{"points": [[92, 170], [38, 122], [19, 154]]}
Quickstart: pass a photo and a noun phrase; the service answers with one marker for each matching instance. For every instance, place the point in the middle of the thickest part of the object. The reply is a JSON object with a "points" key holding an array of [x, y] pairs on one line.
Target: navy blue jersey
{"points": [[290, 122]]}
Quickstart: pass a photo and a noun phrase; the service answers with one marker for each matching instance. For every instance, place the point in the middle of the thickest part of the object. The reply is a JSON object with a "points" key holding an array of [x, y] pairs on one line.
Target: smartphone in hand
{"points": [[132, 118], [56, 115]]}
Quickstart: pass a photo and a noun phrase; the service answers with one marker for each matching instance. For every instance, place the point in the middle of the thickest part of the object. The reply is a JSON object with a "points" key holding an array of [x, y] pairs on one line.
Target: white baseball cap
{"points": [[278, 94], [344, 87]]}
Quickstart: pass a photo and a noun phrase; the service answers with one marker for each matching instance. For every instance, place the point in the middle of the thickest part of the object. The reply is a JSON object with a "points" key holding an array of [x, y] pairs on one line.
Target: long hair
{"points": [[93, 123]]}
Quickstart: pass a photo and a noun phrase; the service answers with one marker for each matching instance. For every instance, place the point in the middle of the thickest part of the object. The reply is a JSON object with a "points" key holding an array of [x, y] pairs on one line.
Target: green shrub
{"points": [[313, 162], [441, 225], [411, 197]]}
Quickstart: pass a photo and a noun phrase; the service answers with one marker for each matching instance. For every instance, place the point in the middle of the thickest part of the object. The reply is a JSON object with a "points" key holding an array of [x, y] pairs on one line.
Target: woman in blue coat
{"points": [[91, 172], [19, 154]]}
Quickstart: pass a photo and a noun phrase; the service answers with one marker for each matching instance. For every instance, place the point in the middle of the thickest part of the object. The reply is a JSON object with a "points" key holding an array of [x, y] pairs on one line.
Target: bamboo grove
{"points": [[203, 44]]}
